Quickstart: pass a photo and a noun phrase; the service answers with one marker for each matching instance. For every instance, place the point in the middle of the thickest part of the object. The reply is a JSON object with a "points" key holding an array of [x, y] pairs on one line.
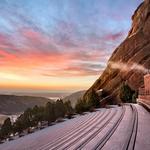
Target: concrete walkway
{"points": [[143, 133]]}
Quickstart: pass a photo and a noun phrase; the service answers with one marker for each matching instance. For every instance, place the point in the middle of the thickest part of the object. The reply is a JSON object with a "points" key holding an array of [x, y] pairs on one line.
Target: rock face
{"points": [[74, 97], [131, 59]]}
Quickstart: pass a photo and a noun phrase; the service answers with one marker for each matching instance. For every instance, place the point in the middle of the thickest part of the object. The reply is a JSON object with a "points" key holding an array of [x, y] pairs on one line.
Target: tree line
{"points": [[32, 116], [88, 103], [92, 100], [49, 113], [59, 109]]}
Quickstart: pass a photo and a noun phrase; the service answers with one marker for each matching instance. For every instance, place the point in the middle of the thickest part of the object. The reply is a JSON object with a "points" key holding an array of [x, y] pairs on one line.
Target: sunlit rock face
{"points": [[144, 92], [130, 61], [147, 82]]}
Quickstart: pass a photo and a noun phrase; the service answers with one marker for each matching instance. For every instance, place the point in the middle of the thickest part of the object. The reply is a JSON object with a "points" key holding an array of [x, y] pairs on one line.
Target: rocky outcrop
{"points": [[131, 59]]}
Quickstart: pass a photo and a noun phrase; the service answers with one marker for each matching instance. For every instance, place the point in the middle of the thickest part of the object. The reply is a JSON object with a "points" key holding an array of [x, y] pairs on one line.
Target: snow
{"points": [[86, 131]]}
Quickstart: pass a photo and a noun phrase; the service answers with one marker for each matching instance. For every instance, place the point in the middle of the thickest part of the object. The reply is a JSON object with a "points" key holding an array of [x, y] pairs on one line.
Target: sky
{"points": [[59, 45]]}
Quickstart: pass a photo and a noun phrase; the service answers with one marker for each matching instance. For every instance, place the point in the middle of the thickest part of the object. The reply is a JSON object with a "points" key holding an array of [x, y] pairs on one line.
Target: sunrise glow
{"points": [[59, 45]]}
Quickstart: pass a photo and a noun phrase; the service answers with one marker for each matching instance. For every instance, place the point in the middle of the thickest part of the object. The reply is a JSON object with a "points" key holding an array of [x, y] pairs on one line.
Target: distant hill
{"points": [[11, 104], [74, 97], [40, 94]]}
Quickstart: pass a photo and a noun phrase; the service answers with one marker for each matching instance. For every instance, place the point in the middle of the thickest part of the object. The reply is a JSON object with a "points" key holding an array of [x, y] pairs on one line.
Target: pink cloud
{"points": [[113, 37], [41, 54]]}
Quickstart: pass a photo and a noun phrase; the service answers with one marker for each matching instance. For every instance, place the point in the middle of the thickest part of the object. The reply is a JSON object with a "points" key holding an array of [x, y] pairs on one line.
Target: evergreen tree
{"points": [[28, 118], [49, 112], [80, 106], [18, 126], [24, 121], [35, 113], [6, 128], [59, 109], [1, 136], [68, 109], [93, 99], [39, 113], [126, 93]]}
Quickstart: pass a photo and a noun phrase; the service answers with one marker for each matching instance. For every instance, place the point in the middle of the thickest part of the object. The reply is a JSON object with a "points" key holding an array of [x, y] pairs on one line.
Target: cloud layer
{"points": [[60, 39]]}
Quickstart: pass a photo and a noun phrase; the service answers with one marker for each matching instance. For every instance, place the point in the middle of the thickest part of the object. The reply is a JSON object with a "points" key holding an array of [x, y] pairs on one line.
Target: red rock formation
{"points": [[133, 52], [144, 93]]}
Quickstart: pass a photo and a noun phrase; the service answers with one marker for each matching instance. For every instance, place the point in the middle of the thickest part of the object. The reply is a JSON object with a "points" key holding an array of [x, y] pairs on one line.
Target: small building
{"points": [[147, 82], [144, 92]]}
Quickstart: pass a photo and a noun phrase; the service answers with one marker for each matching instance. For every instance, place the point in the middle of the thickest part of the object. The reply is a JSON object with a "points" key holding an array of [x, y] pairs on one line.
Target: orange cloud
{"points": [[45, 58]]}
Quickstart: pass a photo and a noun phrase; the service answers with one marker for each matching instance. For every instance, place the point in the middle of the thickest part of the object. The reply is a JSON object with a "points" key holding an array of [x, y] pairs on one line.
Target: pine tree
{"points": [[18, 126], [49, 113], [93, 99], [80, 106], [68, 109], [126, 93], [59, 109], [6, 128]]}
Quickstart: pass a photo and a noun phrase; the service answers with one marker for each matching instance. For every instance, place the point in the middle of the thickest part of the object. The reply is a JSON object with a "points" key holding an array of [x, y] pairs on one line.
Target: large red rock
{"points": [[131, 59]]}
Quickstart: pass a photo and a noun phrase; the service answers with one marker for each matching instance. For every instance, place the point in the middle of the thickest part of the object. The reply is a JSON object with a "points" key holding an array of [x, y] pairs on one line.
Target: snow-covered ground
{"points": [[87, 131]]}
